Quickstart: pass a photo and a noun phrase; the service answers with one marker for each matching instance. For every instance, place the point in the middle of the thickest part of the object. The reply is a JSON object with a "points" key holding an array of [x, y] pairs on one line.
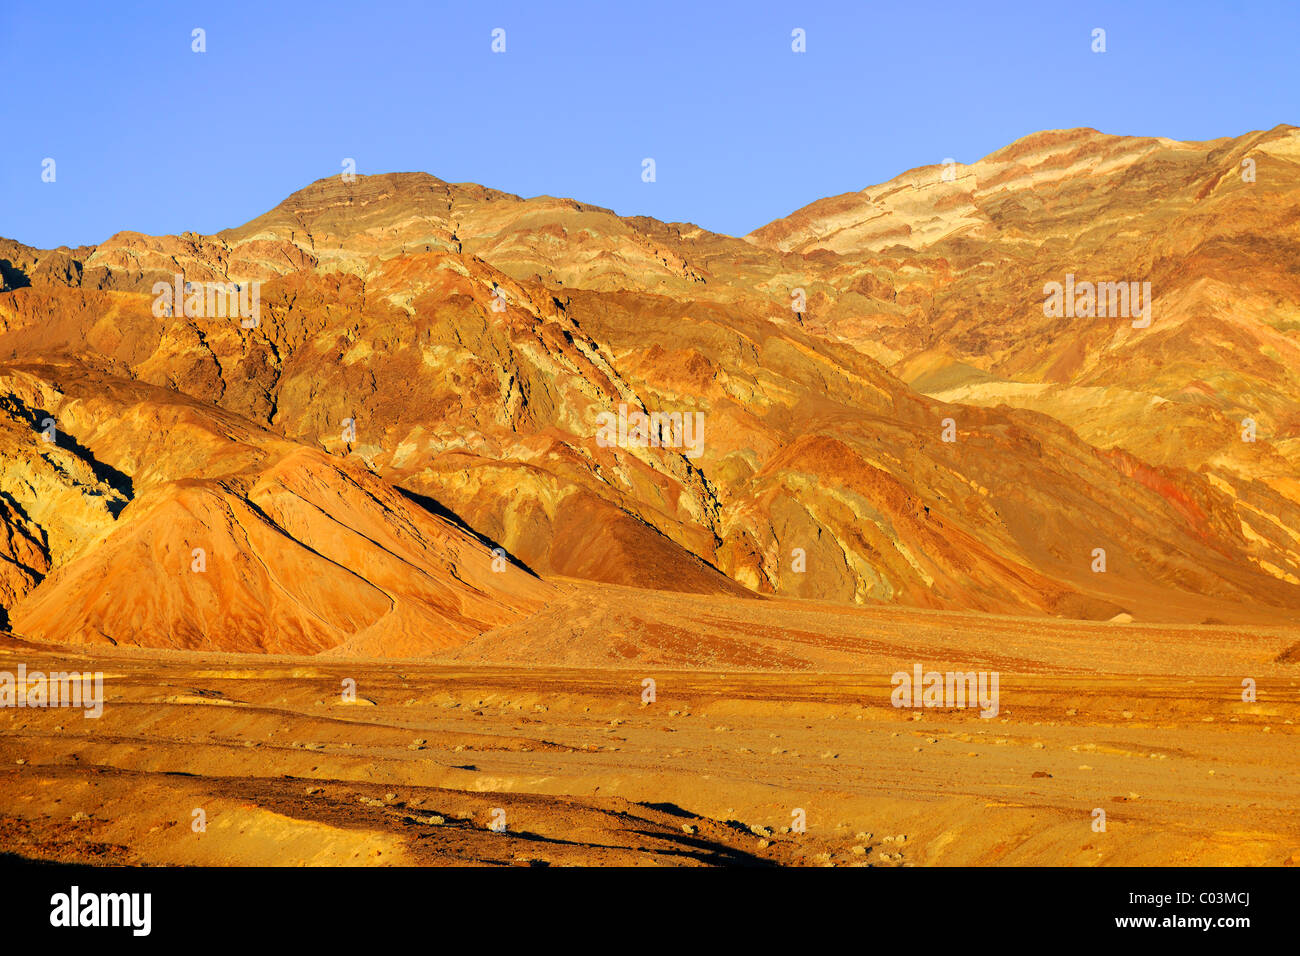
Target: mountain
{"points": [[431, 365], [1211, 226], [169, 523]]}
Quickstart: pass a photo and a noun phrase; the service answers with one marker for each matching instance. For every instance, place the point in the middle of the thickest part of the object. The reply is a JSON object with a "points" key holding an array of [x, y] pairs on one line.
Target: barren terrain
{"points": [[1144, 722], [392, 471]]}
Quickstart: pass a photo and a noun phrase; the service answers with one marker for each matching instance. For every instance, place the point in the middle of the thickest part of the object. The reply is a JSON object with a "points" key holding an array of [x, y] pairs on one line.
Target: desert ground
{"points": [[786, 707]]}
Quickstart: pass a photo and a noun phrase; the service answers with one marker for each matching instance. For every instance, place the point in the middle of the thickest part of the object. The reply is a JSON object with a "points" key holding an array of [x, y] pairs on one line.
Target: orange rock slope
{"points": [[426, 375]]}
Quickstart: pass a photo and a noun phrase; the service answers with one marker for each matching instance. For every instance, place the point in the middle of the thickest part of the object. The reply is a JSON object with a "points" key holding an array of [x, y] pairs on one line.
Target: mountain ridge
{"points": [[458, 343]]}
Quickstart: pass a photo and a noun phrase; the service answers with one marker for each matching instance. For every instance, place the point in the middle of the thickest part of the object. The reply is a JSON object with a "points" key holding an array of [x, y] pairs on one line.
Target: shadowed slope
{"points": [[238, 540]]}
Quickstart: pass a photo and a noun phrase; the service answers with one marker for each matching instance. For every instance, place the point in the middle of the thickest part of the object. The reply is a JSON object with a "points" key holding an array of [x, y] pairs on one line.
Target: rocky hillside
{"points": [[888, 414]]}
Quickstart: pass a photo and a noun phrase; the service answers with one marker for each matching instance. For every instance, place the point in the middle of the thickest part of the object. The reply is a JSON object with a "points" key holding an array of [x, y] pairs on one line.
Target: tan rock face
{"points": [[461, 344], [227, 537], [23, 556]]}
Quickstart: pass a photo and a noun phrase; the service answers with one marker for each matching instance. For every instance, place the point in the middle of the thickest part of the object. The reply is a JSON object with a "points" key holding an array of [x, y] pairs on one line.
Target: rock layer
{"points": [[426, 375]]}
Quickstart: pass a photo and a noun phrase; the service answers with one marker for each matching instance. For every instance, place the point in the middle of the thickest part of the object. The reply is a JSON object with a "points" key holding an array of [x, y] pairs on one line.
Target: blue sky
{"points": [[150, 136]]}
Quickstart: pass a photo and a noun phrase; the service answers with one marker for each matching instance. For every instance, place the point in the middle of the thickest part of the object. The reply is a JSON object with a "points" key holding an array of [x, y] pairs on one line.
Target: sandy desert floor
{"points": [[786, 707]]}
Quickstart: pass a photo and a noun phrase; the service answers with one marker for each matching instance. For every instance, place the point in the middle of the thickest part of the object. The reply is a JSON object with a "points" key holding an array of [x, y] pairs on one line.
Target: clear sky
{"points": [[150, 136]]}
